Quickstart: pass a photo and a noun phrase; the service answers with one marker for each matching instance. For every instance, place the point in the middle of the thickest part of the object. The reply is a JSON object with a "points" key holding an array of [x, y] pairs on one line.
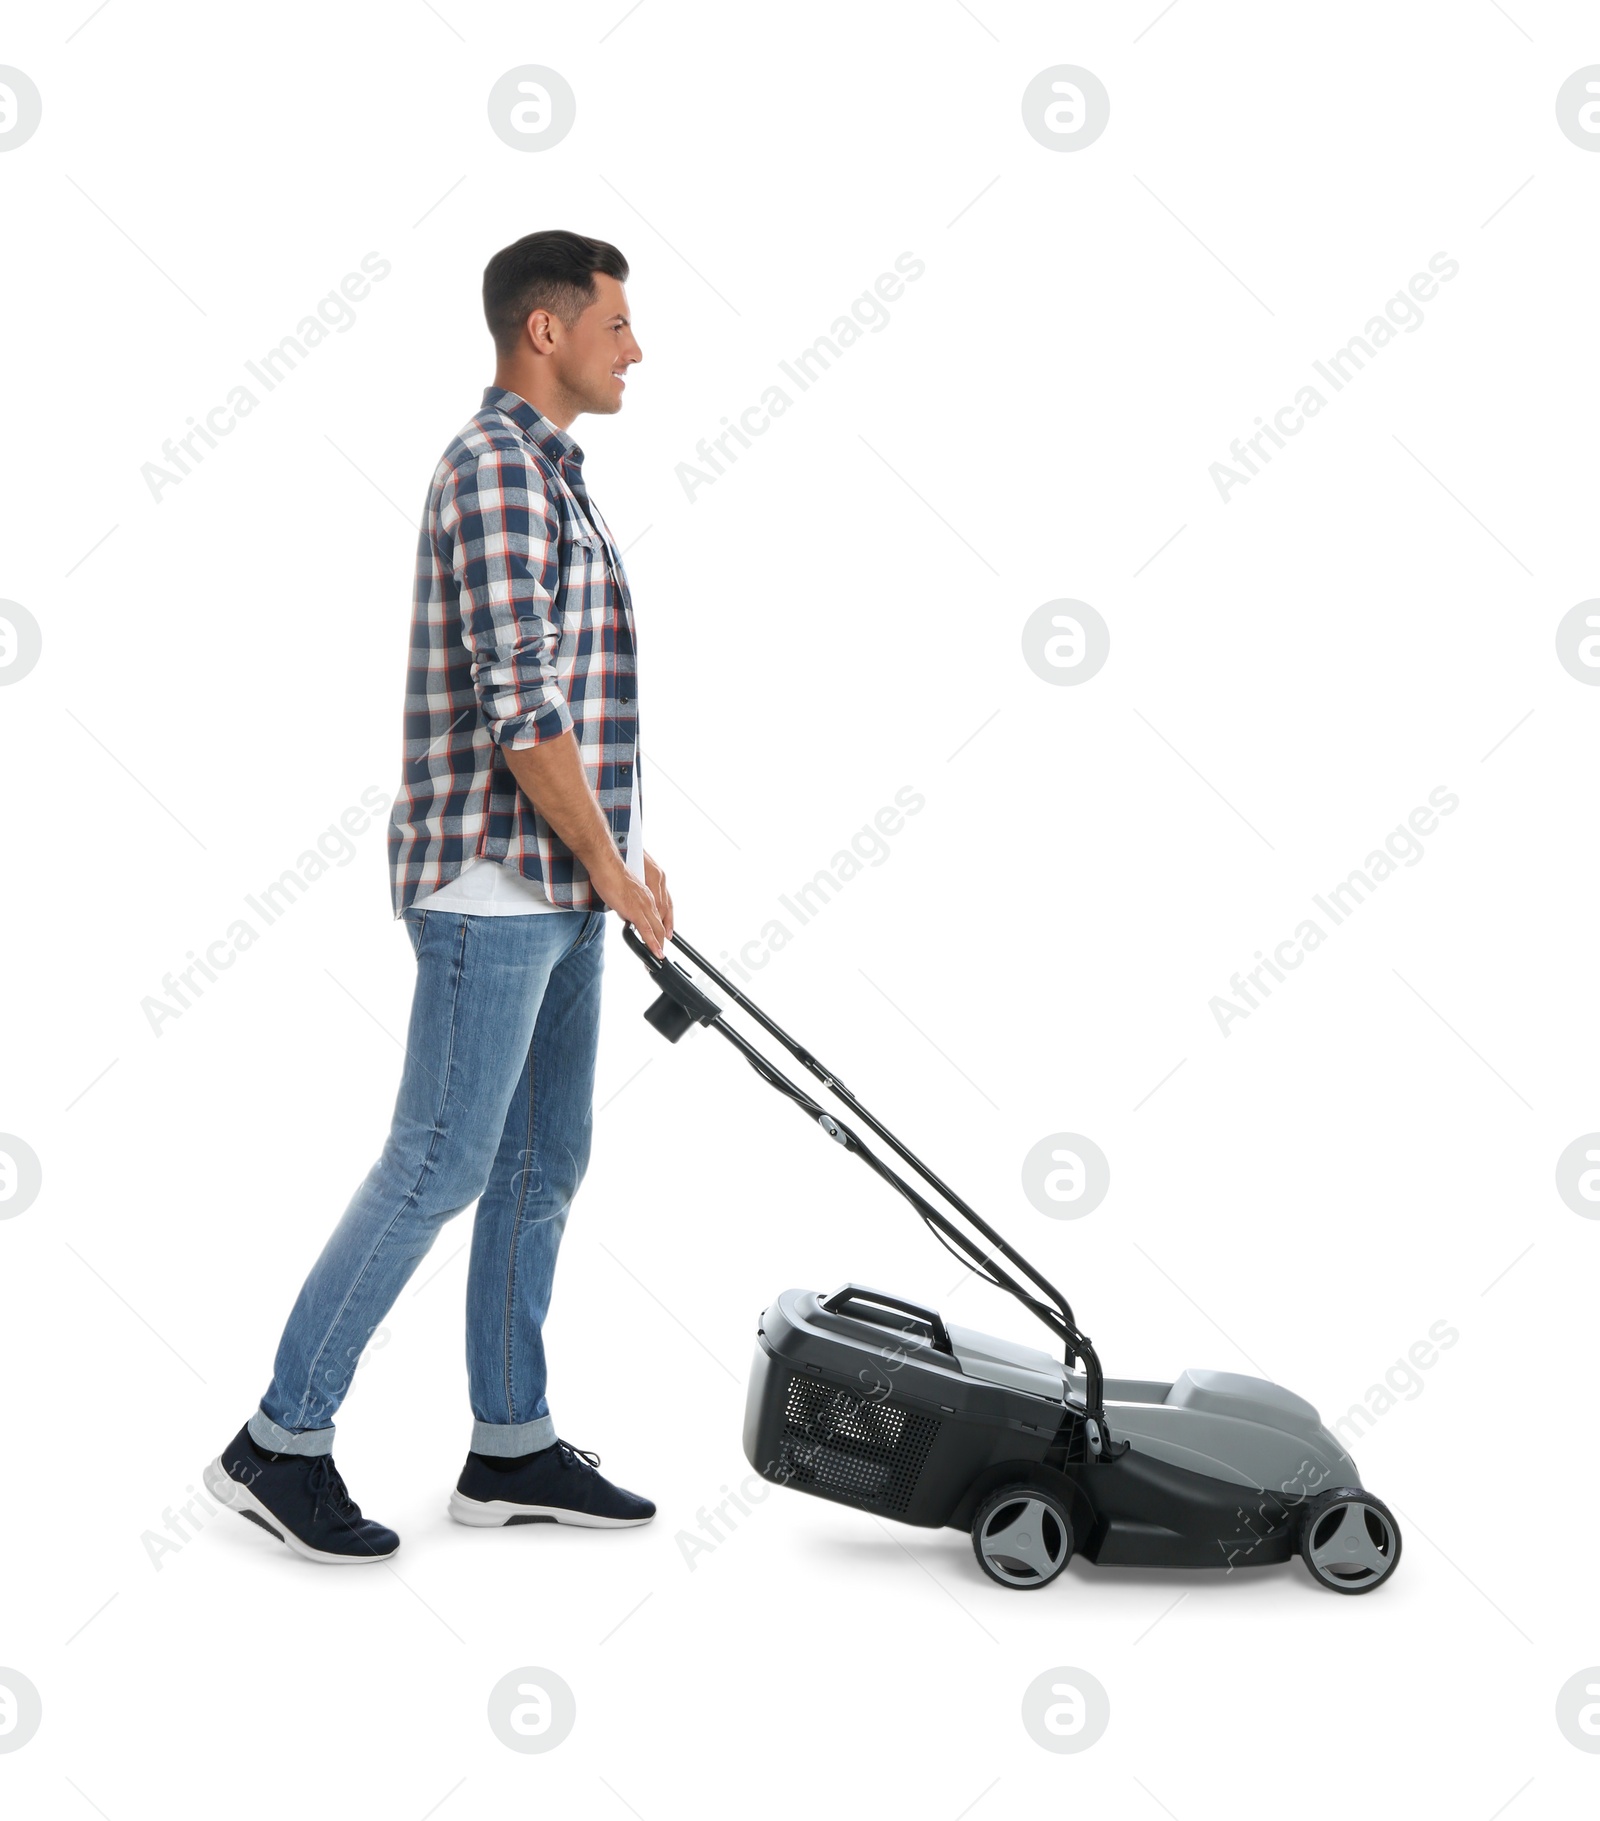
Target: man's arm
{"points": [[506, 537], [552, 776]]}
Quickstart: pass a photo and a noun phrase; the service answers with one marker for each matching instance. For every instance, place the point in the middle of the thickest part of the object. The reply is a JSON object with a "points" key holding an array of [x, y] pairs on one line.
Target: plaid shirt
{"points": [[521, 627]]}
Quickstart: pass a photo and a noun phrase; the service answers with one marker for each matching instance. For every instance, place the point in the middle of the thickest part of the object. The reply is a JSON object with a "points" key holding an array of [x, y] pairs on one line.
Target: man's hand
{"points": [[657, 881], [634, 903]]}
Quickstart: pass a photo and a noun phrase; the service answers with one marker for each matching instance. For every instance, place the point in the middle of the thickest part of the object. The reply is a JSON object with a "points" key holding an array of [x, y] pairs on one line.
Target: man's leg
{"points": [[522, 1212], [480, 985], [518, 1471]]}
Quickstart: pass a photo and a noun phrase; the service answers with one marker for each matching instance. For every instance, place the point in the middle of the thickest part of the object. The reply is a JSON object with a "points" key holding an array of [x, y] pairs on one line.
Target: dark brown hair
{"points": [[551, 270]]}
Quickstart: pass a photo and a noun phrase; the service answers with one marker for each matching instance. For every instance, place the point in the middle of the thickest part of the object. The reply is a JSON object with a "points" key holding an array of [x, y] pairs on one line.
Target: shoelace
{"points": [[573, 1457], [328, 1487]]}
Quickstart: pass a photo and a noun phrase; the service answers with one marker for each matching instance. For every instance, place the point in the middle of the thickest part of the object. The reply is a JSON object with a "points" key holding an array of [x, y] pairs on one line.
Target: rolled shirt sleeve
{"points": [[505, 537]]}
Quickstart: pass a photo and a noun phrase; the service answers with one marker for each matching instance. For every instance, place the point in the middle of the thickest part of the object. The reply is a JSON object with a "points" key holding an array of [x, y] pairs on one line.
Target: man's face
{"points": [[597, 350]]}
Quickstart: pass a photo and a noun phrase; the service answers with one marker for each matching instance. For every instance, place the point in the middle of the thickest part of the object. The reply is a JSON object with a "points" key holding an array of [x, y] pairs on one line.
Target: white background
{"points": [[1371, 1152]]}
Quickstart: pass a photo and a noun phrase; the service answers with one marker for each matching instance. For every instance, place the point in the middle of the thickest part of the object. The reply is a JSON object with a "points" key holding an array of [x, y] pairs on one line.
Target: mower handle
{"points": [[683, 1003]]}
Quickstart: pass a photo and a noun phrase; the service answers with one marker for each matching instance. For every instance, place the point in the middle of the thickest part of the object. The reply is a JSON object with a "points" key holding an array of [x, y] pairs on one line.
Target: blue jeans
{"points": [[494, 1106]]}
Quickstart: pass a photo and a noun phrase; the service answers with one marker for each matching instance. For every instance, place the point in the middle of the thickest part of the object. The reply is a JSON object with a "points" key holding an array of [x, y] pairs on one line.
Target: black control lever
{"points": [[681, 1003]]}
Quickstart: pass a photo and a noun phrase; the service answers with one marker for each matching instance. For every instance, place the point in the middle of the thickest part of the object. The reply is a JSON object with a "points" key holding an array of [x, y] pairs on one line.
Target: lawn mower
{"points": [[875, 1401]]}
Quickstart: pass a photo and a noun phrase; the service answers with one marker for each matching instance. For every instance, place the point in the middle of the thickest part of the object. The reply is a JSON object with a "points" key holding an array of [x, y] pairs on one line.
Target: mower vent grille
{"points": [[861, 1450]]}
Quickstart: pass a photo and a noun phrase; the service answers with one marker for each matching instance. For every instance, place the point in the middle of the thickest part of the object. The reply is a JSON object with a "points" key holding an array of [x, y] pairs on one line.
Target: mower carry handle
{"points": [[837, 1304]]}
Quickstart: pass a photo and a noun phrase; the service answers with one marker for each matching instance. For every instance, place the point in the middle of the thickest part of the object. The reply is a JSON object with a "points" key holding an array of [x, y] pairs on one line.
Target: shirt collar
{"points": [[555, 443]]}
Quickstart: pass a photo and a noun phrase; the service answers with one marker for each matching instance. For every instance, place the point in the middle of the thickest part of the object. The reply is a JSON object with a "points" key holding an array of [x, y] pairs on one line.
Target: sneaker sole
{"points": [[228, 1491], [494, 1514]]}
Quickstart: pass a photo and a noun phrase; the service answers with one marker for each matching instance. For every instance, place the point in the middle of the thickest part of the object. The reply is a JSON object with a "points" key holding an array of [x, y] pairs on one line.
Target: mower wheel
{"points": [[1022, 1536], [1349, 1540]]}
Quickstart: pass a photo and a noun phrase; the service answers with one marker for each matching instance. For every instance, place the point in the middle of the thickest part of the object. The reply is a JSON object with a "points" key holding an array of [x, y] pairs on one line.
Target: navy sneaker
{"points": [[298, 1498], [558, 1485]]}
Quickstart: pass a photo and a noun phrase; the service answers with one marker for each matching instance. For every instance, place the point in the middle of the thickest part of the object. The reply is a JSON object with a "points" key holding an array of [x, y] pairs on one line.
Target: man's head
{"points": [[557, 311]]}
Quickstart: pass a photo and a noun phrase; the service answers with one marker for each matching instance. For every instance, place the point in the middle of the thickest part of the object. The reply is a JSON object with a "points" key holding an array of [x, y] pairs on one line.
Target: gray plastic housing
{"points": [[1232, 1427], [1227, 1425]]}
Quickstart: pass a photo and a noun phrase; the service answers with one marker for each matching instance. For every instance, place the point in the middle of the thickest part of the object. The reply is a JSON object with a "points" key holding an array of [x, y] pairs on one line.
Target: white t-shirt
{"points": [[488, 888]]}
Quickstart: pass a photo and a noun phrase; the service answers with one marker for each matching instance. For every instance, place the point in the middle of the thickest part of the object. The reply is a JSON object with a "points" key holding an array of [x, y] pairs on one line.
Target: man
{"points": [[515, 827]]}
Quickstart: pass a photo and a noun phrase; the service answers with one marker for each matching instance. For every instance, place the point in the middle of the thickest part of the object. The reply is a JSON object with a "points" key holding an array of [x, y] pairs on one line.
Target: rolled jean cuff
{"points": [[265, 1433], [505, 1440]]}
